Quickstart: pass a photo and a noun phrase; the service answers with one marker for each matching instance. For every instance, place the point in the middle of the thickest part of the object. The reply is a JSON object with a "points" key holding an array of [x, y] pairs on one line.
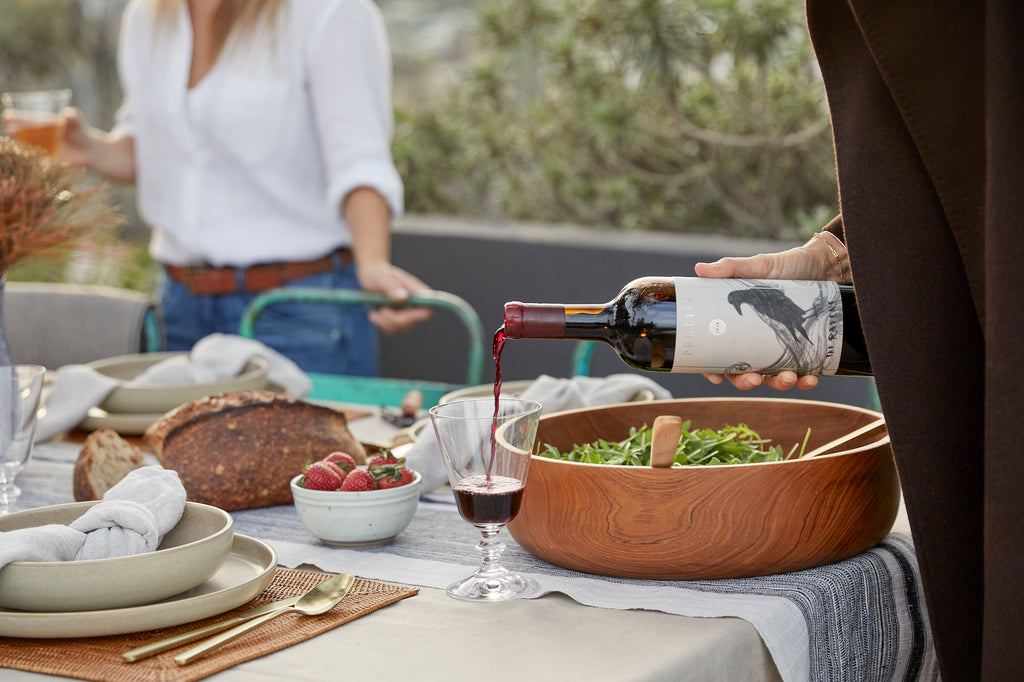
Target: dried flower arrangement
{"points": [[47, 207]]}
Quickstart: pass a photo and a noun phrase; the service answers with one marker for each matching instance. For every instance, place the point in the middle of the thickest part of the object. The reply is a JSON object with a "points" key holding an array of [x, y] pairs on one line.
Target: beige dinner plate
{"points": [[135, 424], [509, 388], [513, 389], [125, 424], [246, 572], [132, 398]]}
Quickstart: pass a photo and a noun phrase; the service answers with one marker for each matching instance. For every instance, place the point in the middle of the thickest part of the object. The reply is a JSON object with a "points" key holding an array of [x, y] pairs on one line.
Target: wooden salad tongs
{"points": [[864, 433]]}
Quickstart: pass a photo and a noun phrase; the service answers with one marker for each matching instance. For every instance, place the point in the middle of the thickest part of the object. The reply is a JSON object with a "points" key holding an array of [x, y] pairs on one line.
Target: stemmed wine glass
{"points": [[486, 446], [20, 389]]}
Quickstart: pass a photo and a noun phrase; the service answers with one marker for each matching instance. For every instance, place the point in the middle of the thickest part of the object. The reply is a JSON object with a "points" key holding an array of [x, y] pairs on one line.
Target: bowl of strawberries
{"points": [[356, 507]]}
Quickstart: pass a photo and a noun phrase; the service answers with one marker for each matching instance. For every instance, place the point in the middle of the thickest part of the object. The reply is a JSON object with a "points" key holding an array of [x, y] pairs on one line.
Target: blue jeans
{"points": [[318, 337]]}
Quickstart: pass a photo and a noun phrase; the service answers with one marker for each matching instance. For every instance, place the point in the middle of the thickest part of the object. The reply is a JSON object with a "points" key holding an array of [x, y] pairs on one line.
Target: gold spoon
{"points": [[320, 599]]}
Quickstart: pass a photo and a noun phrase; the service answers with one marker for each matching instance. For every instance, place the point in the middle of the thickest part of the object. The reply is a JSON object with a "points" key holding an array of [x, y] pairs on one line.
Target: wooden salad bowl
{"points": [[715, 521]]}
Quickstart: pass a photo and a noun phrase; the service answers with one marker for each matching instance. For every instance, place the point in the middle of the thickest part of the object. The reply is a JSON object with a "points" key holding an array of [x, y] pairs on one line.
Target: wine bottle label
{"points": [[734, 326]]}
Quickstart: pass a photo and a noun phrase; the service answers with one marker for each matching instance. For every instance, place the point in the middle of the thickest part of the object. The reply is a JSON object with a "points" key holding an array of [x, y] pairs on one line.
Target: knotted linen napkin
{"points": [[554, 395], [78, 388], [132, 518]]}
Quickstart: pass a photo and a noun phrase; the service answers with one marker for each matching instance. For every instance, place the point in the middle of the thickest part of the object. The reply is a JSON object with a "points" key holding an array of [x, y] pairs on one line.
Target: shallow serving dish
{"points": [[357, 520], [190, 553], [158, 399], [708, 522]]}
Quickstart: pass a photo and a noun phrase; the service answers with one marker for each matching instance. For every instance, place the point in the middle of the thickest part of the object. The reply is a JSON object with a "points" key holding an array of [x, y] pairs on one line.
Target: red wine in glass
{"points": [[490, 500]]}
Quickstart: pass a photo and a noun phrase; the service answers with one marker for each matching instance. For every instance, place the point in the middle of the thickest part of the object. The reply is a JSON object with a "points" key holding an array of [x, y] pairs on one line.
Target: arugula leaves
{"points": [[731, 445]]}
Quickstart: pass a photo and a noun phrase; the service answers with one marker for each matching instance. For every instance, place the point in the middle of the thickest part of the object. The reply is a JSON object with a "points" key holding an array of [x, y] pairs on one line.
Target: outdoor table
{"points": [[638, 630]]}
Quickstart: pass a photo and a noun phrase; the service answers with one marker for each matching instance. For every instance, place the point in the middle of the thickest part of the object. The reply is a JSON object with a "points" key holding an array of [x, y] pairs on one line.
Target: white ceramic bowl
{"points": [[129, 399], [190, 553], [357, 520]]}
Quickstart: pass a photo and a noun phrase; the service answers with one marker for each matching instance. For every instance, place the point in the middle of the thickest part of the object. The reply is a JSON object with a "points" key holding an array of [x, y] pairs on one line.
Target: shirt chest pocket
{"points": [[248, 118]]}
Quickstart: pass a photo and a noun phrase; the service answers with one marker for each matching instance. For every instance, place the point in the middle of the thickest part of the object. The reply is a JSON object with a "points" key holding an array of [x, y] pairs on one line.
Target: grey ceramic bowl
{"points": [[190, 553], [129, 399]]}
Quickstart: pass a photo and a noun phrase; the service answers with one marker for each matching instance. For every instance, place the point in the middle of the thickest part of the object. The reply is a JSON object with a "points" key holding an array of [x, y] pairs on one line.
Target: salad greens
{"points": [[731, 445]]}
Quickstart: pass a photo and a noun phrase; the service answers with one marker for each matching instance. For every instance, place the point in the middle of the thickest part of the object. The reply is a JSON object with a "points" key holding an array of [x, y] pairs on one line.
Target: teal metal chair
{"points": [[377, 391], [581, 356]]}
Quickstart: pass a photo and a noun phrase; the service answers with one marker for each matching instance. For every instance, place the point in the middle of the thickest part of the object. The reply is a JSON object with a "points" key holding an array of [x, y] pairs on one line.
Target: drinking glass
{"points": [[486, 446], [20, 389], [36, 118]]}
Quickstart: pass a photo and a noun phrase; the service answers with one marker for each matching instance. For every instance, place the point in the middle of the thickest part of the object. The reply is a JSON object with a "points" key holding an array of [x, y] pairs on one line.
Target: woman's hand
{"points": [[814, 261], [398, 285], [111, 156], [76, 145], [368, 216]]}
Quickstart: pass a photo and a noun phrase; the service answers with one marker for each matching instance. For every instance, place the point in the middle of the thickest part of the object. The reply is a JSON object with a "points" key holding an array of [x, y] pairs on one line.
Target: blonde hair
{"points": [[243, 17]]}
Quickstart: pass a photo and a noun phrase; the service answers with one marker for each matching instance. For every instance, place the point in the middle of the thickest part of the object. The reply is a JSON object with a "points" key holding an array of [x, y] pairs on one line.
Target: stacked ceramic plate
{"points": [[200, 569], [132, 407]]}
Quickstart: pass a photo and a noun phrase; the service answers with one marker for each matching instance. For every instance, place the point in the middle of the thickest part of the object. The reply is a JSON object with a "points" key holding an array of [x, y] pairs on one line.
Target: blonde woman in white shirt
{"points": [[258, 135]]}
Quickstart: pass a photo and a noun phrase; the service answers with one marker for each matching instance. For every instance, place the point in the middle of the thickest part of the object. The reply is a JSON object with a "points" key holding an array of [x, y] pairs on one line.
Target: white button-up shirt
{"points": [[252, 164]]}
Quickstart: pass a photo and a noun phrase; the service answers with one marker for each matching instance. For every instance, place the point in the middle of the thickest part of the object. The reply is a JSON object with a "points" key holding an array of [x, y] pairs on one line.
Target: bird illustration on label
{"points": [[807, 336]]}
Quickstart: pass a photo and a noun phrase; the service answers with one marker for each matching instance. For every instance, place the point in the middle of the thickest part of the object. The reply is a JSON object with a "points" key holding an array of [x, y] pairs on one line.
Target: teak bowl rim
{"points": [[651, 404]]}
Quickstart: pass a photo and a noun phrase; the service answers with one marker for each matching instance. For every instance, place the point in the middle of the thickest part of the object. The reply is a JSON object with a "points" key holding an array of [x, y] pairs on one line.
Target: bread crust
{"points": [[240, 452], [157, 432]]}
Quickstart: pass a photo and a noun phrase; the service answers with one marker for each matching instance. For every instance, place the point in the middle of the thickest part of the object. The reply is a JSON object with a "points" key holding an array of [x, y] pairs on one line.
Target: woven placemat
{"points": [[99, 658]]}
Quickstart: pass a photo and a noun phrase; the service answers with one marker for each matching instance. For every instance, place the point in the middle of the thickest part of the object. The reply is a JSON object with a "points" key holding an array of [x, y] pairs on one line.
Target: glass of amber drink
{"points": [[36, 118]]}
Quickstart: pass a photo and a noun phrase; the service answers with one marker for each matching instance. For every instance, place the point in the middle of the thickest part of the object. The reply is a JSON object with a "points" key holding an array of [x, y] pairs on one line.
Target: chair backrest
{"points": [[57, 324], [377, 390]]}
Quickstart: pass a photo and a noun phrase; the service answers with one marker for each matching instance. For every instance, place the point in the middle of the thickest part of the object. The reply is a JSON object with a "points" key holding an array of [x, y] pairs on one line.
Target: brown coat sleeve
{"points": [[926, 105]]}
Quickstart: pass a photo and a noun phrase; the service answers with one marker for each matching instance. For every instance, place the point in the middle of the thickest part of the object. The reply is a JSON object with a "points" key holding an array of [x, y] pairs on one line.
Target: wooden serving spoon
{"points": [[872, 429], [665, 439]]}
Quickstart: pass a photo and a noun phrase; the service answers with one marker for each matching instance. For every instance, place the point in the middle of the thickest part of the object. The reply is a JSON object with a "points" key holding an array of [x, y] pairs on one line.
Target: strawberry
{"points": [[384, 457], [358, 480], [343, 461], [322, 476], [391, 475]]}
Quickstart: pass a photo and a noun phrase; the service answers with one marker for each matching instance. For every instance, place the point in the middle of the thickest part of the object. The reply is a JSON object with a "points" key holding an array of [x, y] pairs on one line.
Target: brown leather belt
{"points": [[206, 280]]}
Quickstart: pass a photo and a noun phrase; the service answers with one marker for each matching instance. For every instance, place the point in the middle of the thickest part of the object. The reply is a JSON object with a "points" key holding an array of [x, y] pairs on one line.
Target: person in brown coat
{"points": [[927, 108]]}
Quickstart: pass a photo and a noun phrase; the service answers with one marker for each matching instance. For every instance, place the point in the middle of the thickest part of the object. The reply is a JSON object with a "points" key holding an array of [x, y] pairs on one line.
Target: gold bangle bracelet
{"points": [[839, 260]]}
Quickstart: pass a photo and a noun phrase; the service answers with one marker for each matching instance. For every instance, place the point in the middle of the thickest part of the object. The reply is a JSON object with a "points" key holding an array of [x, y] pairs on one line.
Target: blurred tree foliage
{"points": [[673, 115], [64, 44], [73, 44]]}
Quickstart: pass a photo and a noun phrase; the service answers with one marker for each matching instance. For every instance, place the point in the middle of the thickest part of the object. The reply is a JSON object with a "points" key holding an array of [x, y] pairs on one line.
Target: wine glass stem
{"points": [[491, 549]]}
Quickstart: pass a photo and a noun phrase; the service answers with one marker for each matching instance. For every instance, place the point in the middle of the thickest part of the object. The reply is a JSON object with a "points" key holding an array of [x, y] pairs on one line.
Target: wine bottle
{"points": [[704, 325]]}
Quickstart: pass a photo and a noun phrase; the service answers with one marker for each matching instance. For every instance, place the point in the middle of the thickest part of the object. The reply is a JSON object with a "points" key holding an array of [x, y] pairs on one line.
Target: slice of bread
{"points": [[104, 460]]}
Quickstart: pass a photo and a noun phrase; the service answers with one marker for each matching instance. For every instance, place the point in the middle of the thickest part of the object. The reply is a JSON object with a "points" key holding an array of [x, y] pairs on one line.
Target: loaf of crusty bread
{"points": [[104, 460], [157, 431], [240, 450]]}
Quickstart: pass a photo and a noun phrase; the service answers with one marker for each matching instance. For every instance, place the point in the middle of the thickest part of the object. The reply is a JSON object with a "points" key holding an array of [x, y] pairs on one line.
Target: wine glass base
{"points": [[493, 588], [9, 494]]}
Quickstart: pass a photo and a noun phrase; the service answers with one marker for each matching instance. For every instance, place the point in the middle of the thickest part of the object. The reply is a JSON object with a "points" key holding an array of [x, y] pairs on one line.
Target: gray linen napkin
{"points": [[221, 356], [132, 518], [78, 388], [554, 395]]}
